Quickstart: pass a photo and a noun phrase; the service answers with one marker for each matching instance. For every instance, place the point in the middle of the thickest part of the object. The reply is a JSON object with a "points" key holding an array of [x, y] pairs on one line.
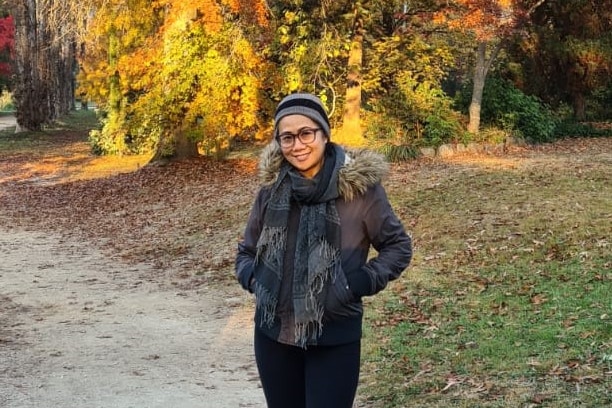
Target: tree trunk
{"points": [[184, 146], [480, 74], [579, 106], [44, 63], [351, 132], [175, 146], [28, 113], [114, 109]]}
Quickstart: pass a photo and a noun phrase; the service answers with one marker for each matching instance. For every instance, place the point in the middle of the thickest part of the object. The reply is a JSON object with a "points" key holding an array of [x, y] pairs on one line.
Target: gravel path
{"points": [[78, 329]]}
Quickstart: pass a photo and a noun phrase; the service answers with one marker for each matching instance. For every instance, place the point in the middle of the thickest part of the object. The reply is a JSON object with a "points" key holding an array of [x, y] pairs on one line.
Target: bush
{"points": [[399, 153], [109, 139], [577, 129], [443, 127], [600, 103], [506, 106], [6, 102], [388, 134]]}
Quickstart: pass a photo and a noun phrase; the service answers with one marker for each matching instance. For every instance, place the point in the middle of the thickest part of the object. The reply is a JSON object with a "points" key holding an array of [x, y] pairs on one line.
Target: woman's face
{"points": [[306, 158]]}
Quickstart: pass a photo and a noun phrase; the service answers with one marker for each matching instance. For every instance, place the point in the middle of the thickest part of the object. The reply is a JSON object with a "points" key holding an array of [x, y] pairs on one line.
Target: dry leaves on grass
{"points": [[185, 217]]}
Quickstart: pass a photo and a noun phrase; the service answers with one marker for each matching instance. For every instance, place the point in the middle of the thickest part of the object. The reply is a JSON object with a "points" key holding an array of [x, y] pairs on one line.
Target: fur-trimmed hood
{"points": [[362, 168]]}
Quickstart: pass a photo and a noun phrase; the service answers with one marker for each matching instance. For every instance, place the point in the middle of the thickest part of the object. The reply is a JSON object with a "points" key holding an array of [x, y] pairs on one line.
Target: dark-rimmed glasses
{"points": [[306, 136]]}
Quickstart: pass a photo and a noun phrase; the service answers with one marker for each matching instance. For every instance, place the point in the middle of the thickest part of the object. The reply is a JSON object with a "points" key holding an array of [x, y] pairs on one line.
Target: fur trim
{"points": [[362, 168]]}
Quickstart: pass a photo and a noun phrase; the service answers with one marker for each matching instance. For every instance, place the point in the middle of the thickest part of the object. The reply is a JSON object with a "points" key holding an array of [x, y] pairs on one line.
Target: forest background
{"points": [[183, 78]]}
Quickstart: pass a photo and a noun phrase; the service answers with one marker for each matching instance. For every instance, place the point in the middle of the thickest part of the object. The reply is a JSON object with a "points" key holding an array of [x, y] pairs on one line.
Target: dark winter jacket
{"points": [[366, 219]]}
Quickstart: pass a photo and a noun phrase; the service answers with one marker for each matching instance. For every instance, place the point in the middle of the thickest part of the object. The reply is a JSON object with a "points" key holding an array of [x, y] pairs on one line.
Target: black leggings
{"points": [[316, 377]]}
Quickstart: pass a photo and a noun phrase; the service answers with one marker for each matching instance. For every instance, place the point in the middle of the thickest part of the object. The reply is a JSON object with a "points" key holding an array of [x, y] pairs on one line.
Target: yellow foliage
{"points": [[179, 63]]}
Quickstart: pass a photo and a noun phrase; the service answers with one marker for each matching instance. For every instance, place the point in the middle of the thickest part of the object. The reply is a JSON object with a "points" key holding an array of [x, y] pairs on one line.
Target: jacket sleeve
{"points": [[245, 257], [388, 237]]}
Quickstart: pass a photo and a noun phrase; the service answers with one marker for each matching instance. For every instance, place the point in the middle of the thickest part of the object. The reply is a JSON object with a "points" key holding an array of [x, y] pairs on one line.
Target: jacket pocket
{"points": [[340, 301]]}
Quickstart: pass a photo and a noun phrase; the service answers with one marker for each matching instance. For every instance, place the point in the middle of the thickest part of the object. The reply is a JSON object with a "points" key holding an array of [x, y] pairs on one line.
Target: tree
{"points": [[406, 60], [568, 55], [351, 131], [209, 86], [311, 49], [44, 61], [111, 63], [490, 23], [189, 74]]}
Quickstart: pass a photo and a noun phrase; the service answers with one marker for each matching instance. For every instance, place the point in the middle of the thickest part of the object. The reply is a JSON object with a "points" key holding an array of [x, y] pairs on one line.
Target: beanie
{"points": [[302, 104]]}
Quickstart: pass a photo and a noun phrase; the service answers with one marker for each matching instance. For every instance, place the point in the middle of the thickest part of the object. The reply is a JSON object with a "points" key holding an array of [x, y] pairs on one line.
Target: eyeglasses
{"points": [[306, 136]]}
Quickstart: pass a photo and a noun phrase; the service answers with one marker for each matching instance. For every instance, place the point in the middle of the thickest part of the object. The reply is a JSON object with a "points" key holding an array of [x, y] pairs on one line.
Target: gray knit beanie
{"points": [[302, 104]]}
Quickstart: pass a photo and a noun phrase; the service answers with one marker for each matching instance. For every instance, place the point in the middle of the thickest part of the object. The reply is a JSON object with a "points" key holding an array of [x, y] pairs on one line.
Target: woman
{"points": [[305, 256]]}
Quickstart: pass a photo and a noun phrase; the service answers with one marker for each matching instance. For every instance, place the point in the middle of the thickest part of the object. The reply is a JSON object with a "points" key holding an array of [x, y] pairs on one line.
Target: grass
{"points": [[508, 300], [29, 142]]}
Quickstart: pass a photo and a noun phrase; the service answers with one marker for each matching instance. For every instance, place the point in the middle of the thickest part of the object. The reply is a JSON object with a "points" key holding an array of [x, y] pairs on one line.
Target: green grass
{"points": [[508, 302], [27, 141], [80, 120]]}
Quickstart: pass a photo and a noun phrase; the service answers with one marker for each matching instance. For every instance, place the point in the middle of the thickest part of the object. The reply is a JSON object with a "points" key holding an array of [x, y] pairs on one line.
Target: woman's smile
{"points": [[302, 156]]}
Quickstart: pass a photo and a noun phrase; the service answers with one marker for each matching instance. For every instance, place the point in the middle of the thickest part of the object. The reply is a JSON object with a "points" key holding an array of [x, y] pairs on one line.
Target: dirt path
{"points": [[80, 330], [7, 121]]}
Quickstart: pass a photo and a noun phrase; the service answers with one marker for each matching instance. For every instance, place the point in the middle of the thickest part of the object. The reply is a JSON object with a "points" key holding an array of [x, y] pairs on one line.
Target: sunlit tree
{"points": [[406, 60], [178, 77]]}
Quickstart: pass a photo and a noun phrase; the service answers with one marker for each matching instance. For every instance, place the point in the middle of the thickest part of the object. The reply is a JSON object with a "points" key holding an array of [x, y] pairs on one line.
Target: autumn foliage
{"points": [[487, 19], [7, 44], [185, 72], [182, 78]]}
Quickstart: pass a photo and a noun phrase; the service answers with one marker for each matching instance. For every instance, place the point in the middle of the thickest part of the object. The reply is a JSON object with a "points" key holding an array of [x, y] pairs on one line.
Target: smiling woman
{"points": [[304, 256]]}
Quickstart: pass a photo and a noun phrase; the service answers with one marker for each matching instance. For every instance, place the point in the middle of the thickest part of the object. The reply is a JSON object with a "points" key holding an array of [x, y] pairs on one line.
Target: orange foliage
{"points": [[484, 18], [181, 11], [253, 11]]}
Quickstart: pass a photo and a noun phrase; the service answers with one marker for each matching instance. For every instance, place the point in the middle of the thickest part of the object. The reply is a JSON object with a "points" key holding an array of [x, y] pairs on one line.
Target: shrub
{"points": [[443, 127], [109, 139], [389, 135], [6, 101], [506, 106], [577, 129]]}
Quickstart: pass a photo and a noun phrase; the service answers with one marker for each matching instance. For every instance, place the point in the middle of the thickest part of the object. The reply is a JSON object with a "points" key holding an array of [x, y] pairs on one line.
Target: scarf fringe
{"points": [[267, 302], [325, 270], [314, 308], [307, 330], [272, 243]]}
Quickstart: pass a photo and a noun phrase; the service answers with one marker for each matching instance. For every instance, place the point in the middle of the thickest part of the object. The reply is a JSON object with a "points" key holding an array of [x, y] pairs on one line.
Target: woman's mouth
{"points": [[301, 157]]}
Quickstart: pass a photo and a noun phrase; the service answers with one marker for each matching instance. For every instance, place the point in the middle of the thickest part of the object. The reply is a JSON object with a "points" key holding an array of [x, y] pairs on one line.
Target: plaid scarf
{"points": [[317, 253]]}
